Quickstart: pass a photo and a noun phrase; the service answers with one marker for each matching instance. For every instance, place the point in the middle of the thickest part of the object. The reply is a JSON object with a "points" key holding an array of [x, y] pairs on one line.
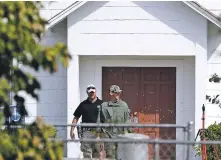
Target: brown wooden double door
{"points": [[151, 92]]}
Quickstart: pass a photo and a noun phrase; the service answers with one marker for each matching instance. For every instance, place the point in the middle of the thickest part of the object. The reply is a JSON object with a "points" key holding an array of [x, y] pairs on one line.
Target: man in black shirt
{"points": [[89, 112]]}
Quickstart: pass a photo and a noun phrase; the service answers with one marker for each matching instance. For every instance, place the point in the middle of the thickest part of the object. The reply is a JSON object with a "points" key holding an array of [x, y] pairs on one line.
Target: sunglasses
{"points": [[90, 88]]}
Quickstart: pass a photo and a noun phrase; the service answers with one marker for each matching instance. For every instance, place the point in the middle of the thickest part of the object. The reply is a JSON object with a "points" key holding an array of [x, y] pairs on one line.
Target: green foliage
{"points": [[215, 98], [21, 29], [33, 142], [213, 133]]}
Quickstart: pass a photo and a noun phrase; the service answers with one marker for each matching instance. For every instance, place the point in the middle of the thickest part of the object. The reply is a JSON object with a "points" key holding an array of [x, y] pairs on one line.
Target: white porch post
{"points": [[73, 100], [73, 94], [200, 84]]}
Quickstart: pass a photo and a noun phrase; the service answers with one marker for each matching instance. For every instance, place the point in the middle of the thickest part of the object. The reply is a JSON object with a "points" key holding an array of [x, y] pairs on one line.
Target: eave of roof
{"points": [[204, 12], [77, 4], [64, 13]]}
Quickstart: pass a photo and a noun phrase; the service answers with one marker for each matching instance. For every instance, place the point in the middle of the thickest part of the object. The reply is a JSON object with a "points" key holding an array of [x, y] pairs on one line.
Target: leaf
{"points": [[213, 101]]}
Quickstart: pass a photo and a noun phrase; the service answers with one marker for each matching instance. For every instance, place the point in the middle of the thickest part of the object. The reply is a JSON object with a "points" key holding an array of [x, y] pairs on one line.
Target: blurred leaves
{"points": [[215, 78], [212, 133], [21, 30], [33, 142], [215, 98]]}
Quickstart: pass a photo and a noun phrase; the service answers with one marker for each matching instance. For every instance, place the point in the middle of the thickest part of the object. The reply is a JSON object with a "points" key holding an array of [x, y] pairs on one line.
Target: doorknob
{"points": [[136, 120]]}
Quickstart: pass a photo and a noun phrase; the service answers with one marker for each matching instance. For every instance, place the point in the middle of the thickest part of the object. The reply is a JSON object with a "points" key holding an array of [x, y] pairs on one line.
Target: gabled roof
{"points": [[77, 4]]}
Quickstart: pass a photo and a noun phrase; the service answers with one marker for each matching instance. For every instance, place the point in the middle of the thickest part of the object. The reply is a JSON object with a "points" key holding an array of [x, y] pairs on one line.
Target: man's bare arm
{"points": [[75, 120]]}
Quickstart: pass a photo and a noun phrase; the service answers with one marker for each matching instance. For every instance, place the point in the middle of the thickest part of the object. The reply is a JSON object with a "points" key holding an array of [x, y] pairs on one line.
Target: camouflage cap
{"points": [[115, 89]]}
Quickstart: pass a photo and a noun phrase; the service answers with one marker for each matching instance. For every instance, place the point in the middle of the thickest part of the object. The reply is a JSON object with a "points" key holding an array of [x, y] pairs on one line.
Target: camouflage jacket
{"points": [[116, 113]]}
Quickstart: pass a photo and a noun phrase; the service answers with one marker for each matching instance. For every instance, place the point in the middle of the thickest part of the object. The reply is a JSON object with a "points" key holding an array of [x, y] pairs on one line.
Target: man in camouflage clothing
{"points": [[114, 111]]}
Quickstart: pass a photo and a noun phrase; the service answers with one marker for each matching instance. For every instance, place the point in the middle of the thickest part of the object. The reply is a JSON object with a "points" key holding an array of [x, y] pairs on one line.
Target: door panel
{"points": [[149, 103], [168, 114], [110, 76], [128, 80]]}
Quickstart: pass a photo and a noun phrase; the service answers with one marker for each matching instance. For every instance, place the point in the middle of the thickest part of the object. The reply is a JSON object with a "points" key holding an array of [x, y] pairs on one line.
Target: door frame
{"points": [[178, 64]]}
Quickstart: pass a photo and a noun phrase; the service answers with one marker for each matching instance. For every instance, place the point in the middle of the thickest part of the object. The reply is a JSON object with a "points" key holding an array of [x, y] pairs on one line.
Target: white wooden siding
{"points": [[213, 111], [52, 105], [152, 28]]}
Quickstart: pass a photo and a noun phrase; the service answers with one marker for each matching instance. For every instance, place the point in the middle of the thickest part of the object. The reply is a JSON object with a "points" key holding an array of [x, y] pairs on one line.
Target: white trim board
{"points": [[150, 63]]}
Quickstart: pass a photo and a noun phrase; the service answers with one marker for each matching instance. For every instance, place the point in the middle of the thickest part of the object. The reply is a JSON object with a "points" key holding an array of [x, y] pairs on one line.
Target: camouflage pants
{"points": [[90, 149], [110, 148]]}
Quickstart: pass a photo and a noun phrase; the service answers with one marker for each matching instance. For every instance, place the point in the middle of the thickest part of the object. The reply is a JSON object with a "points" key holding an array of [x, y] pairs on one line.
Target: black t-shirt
{"points": [[88, 111]]}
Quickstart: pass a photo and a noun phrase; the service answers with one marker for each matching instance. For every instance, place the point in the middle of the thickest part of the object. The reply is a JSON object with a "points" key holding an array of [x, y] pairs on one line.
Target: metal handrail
{"points": [[106, 125], [150, 141], [198, 134], [119, 125]]}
